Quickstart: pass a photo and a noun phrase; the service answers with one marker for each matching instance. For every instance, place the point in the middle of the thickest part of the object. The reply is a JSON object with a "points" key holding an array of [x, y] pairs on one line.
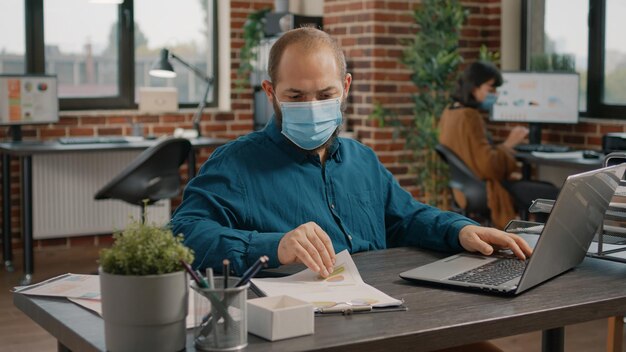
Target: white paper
{"points": [[342, 286], [66, 285]]}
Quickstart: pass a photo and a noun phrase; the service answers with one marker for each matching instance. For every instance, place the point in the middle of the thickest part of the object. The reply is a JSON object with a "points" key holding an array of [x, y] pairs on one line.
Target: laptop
{"points": [[575, 218]]}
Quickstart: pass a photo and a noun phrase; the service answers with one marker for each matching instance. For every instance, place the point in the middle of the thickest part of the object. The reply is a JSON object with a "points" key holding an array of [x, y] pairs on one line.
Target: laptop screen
{"points": [[576, 217]]}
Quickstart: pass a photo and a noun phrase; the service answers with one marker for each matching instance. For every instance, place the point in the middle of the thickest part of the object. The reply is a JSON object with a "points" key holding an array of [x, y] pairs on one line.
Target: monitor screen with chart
{"points": [[537, 98], [28, 99]]}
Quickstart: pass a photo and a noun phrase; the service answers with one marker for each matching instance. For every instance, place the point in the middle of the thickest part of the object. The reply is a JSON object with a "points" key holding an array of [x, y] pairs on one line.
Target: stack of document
{"points": [[83, 290], [343, 289]]}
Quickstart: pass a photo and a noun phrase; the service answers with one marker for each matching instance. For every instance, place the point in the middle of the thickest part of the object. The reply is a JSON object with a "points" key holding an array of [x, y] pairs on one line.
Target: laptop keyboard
{"points": [[493, 273], [93, 139], [545, 148]]}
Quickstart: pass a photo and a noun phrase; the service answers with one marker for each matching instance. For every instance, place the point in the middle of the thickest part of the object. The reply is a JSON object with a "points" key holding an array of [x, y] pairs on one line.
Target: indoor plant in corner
{"points": [[144, 289]]}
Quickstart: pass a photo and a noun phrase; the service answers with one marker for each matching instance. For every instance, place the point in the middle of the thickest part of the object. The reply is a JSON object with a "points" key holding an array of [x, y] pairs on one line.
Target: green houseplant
{"points": [[433, 58], [144, 289], [253, 33]]}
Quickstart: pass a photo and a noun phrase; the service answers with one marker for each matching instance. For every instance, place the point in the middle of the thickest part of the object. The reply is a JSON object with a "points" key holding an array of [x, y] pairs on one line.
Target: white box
{"points": [[280, 317], [158, 99]]}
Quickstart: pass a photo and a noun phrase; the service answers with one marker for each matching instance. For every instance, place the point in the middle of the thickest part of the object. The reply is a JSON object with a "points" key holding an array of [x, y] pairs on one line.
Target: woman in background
{"points": [[462, 130]]}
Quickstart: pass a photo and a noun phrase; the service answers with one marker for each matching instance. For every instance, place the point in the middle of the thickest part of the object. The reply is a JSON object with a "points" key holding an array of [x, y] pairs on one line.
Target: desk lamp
{"points": [[163, 68]]}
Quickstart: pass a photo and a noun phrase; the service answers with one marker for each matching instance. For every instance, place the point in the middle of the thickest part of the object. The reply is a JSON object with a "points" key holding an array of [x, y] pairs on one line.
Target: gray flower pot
{"points": [[144, 313]]}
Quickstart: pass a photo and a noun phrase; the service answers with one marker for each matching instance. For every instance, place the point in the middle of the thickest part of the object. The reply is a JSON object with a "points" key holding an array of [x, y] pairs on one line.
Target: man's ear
{"points": [[269, 90], [346, 84]]}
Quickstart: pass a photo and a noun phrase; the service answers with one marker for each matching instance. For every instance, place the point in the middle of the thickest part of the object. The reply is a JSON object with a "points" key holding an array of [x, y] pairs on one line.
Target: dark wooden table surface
{"points": [[437, 318]]}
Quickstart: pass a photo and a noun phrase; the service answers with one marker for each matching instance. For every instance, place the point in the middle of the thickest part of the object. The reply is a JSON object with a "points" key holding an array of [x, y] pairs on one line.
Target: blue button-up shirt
{"points": [[255, 189]]}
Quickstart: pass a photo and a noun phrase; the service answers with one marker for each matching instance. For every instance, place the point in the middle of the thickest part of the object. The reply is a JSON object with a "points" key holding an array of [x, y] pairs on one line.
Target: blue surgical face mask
{"points": [[489, 101], [310, 124]]}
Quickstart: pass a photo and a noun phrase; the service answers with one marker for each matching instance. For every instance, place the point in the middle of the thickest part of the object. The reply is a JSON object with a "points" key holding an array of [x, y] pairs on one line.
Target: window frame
{"points": [[596, 23], [35, 61]]}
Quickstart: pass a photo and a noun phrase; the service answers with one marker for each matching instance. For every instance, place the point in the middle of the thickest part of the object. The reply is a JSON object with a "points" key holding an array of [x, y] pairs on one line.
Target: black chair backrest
{"points": [[153, 175], [464, 179]]}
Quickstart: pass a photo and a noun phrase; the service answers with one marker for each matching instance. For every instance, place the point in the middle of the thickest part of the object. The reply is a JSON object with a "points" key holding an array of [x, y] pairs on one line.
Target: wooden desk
{"points": [[437, 318], [24, 151], [565, 167]]}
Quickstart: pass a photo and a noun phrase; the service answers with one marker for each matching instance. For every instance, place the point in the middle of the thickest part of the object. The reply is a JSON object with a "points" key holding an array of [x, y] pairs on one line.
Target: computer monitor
{"points": [[537, 98], [27, 100]]}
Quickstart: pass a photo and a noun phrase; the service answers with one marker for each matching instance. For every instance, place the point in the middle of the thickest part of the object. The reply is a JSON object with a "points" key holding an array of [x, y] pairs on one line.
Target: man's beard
{"points": [[279, 123]]}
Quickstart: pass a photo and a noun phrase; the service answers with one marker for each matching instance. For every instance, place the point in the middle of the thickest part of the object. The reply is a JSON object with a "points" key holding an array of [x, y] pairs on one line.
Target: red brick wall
{"points": [[587, 134], [371, 34]]}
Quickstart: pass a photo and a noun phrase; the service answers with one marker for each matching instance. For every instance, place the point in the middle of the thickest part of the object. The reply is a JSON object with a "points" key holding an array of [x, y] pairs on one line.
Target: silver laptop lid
{"points": [[576, 216]]}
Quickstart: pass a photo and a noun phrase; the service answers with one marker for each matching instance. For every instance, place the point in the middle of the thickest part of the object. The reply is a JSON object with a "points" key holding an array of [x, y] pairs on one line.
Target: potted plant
{"points": [[144, 289], [433, 58], [253, 33]]}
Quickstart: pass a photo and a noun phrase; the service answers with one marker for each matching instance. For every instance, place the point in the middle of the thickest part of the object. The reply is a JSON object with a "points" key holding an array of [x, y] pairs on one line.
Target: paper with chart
{"points": [[343, 287], [66, 285]]}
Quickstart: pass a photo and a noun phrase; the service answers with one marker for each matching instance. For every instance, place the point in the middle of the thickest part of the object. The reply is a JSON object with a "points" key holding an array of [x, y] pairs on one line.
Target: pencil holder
{"points": [[221, 316]]}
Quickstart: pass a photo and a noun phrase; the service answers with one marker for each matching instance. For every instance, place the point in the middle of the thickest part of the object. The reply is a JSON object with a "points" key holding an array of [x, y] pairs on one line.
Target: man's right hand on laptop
{"points": [[310, 245], [484, 239]]}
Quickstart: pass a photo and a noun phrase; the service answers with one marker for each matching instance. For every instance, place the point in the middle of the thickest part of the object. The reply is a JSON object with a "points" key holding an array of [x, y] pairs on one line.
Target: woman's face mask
{"points": [[486, 95], [310, 124], [489, 101]]}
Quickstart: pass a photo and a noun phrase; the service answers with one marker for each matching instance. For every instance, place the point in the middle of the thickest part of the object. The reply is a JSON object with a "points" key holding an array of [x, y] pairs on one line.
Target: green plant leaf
{"points": [[433, 58], [253, 33], [142, 249]]}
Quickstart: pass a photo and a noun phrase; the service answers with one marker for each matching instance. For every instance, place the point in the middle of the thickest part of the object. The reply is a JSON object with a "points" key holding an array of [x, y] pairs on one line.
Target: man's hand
{"points": [[310, 245], [484, 239]]}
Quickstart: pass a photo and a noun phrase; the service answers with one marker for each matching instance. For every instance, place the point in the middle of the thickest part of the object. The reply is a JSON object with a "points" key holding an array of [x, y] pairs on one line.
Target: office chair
{"points": [[523, 192], [152, 176], [462, 178]]}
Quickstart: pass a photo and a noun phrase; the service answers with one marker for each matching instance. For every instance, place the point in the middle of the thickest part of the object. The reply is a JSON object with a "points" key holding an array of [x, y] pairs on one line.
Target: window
{"points": [[12, 43], [615, 54], [588, 40], [86, 60], [102, 52], [187, 34]]}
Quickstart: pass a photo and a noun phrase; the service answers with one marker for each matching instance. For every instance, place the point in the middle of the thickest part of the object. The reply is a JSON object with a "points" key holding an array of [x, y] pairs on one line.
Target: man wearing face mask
{"points": [[463, 131], [298, 193]]}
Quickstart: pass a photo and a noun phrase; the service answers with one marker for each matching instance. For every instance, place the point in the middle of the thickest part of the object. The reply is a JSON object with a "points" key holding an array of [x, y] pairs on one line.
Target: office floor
{"points": [[18, 333]]}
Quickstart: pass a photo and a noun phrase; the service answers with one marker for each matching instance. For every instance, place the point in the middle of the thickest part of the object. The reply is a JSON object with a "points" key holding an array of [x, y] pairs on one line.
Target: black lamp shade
{"points": [[162, 67]]}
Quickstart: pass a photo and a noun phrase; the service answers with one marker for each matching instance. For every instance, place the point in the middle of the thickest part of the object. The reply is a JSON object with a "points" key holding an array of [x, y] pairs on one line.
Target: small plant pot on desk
{"points": [[144, 313]]}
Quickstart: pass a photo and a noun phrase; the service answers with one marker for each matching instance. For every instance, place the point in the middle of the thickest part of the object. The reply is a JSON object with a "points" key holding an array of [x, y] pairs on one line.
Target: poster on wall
{"points": [[28, 99]]}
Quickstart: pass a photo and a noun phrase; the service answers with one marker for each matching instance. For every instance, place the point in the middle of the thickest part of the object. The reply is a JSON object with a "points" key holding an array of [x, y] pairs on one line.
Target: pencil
{"points": [[193, 274], [209, 278], [205, 284], [253, 270], [226, 264]]}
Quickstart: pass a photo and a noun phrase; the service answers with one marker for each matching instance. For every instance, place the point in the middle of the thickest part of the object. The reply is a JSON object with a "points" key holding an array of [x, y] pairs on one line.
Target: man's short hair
{"points": [[310, 38]]}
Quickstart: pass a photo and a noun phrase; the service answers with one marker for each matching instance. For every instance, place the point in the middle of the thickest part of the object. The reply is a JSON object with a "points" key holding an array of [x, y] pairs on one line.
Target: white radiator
{"points": [[63, 190]]}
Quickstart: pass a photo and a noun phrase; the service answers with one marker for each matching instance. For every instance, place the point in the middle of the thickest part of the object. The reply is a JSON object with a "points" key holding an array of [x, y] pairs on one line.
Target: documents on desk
{"points": [[564, 155], [344, 290], [66, 285], [83, 290]]}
